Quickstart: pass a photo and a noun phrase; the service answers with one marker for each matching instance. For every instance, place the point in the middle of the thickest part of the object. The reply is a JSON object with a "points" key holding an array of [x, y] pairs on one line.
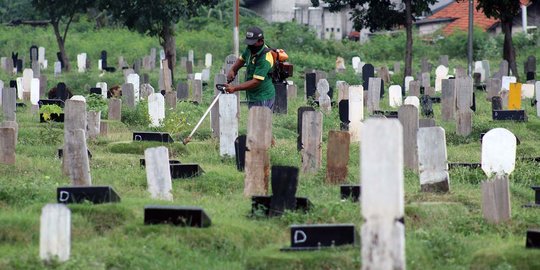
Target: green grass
{"points": [[443, 231]]}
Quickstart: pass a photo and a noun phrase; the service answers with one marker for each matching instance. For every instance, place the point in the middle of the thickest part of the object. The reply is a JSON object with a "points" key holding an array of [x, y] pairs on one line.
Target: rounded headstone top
{"points": [[498, 152], [79, 98]]}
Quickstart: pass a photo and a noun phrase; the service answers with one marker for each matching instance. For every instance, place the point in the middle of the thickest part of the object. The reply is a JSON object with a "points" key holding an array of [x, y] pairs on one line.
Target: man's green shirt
{"points": [[259, 66]]}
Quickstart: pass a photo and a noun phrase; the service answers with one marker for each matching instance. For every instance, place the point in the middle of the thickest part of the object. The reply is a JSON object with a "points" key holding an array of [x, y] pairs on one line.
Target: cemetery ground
{"points": [[443, 231]]}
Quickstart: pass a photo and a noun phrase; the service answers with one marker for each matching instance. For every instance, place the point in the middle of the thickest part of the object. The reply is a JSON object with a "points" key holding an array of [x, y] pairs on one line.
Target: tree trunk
{"points": [[169, 45], [409, 43], [61, 42], [509, 53]]}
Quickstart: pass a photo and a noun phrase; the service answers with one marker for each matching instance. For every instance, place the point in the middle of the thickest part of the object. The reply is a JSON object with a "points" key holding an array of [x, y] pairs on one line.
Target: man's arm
{"points": [[243, 86], [234, 69]]}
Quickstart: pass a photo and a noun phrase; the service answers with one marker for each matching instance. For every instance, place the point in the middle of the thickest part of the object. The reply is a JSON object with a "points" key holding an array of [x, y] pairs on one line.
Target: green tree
{"points": [[62, 12], [505, 11], [156, 18], [384, 14]]}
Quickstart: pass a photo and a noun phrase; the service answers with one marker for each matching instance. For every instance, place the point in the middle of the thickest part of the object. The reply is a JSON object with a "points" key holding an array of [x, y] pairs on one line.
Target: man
{"points": [[259, 63]]}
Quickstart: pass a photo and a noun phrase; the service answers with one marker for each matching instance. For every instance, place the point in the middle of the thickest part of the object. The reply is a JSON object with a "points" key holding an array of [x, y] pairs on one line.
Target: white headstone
{"points": [[100, 64], [135, 80], [505, 82], [407, 80], [20, 88], [156, 109], [527, 90], [104, 89], [79, 98], [498, 152], [432, 156], [44, 64], [158, 173], [57, 68], [28, 75], [81, 62], [228, 124], [440, 73], [356, 111], [382, 200], [41, 56], [208, 60], [356, 63], [412, 100], [55, 232], [395, 97], [34, 91], [479, 68], [205, 75], [198, 76]]}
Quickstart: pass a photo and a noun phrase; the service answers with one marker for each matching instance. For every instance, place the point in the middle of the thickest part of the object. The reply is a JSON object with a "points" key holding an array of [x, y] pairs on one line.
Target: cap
{"points": [[253, 34]]}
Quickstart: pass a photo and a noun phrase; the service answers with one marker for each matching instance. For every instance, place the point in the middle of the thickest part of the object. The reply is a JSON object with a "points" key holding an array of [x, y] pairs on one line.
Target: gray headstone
{"points": [[408, 116], [115, 109], [158, 174], [448, 99], [128, 95], [9, 102], [374, 94], [432, 158], [55, 233], [493, 86]]}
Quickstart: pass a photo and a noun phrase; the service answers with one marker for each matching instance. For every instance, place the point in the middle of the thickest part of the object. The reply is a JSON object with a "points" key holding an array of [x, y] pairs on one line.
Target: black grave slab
{"points": [[311, 85], [20, 104], [61, 91], [280, 104], [453, 165], [533, 238], [318, 236], [93, 194], [58, 102], [511, 115], [368, 71], [426, 105], [435, 99], [536, 202], [54, 118], [240, 151], [34, 53], [351, 192], [187, 170], [176, 215], [19, 66], [344, 115], [284, 184], [142, 162], [95, 90], [496, 103], [152, 136], [261, 204], [387, 114]]}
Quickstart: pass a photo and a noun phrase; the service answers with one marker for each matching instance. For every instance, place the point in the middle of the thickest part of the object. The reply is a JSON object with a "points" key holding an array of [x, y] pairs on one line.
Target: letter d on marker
{"points": [[297, 240], [64, 196]]}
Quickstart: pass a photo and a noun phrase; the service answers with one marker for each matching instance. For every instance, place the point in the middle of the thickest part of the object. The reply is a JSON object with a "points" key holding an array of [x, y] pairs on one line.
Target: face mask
{"points": [[254, 49]]}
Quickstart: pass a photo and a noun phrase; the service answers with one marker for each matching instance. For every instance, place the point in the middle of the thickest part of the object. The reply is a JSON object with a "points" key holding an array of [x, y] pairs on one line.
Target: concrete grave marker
{"points": [[324, 100], [55, 233], [493, 86], [205, 75], [41, 57], [504, 98], [146, 90], [356, 111], [448, 99], [408, 117], [258, 141], [34, 91], [156, 109], [76, 151], [443, 60], [9, 101], [337, 156], [537, 91], [425, 66], [374, 94], [432, 160], [395, 97], [57, 68], [382, 200], [311, 141], [407, 80], [134, 79], [355, 61], [464, 101], [292, 92], [343, 90], [384, 74], [81, 62], [228, 124], [8, 139], [530, 68], [197, 91], [93, 124], [414, 88], [28, 75], [20, 89], [128, 95], [440, 73], [158, 173], [426, 80], [479, 68], [397, 67], [190, 56], [115, 109]]}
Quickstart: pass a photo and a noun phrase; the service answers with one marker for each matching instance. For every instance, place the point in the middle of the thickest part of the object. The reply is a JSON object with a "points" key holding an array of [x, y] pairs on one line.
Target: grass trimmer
{"points": [[221, 89]]}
